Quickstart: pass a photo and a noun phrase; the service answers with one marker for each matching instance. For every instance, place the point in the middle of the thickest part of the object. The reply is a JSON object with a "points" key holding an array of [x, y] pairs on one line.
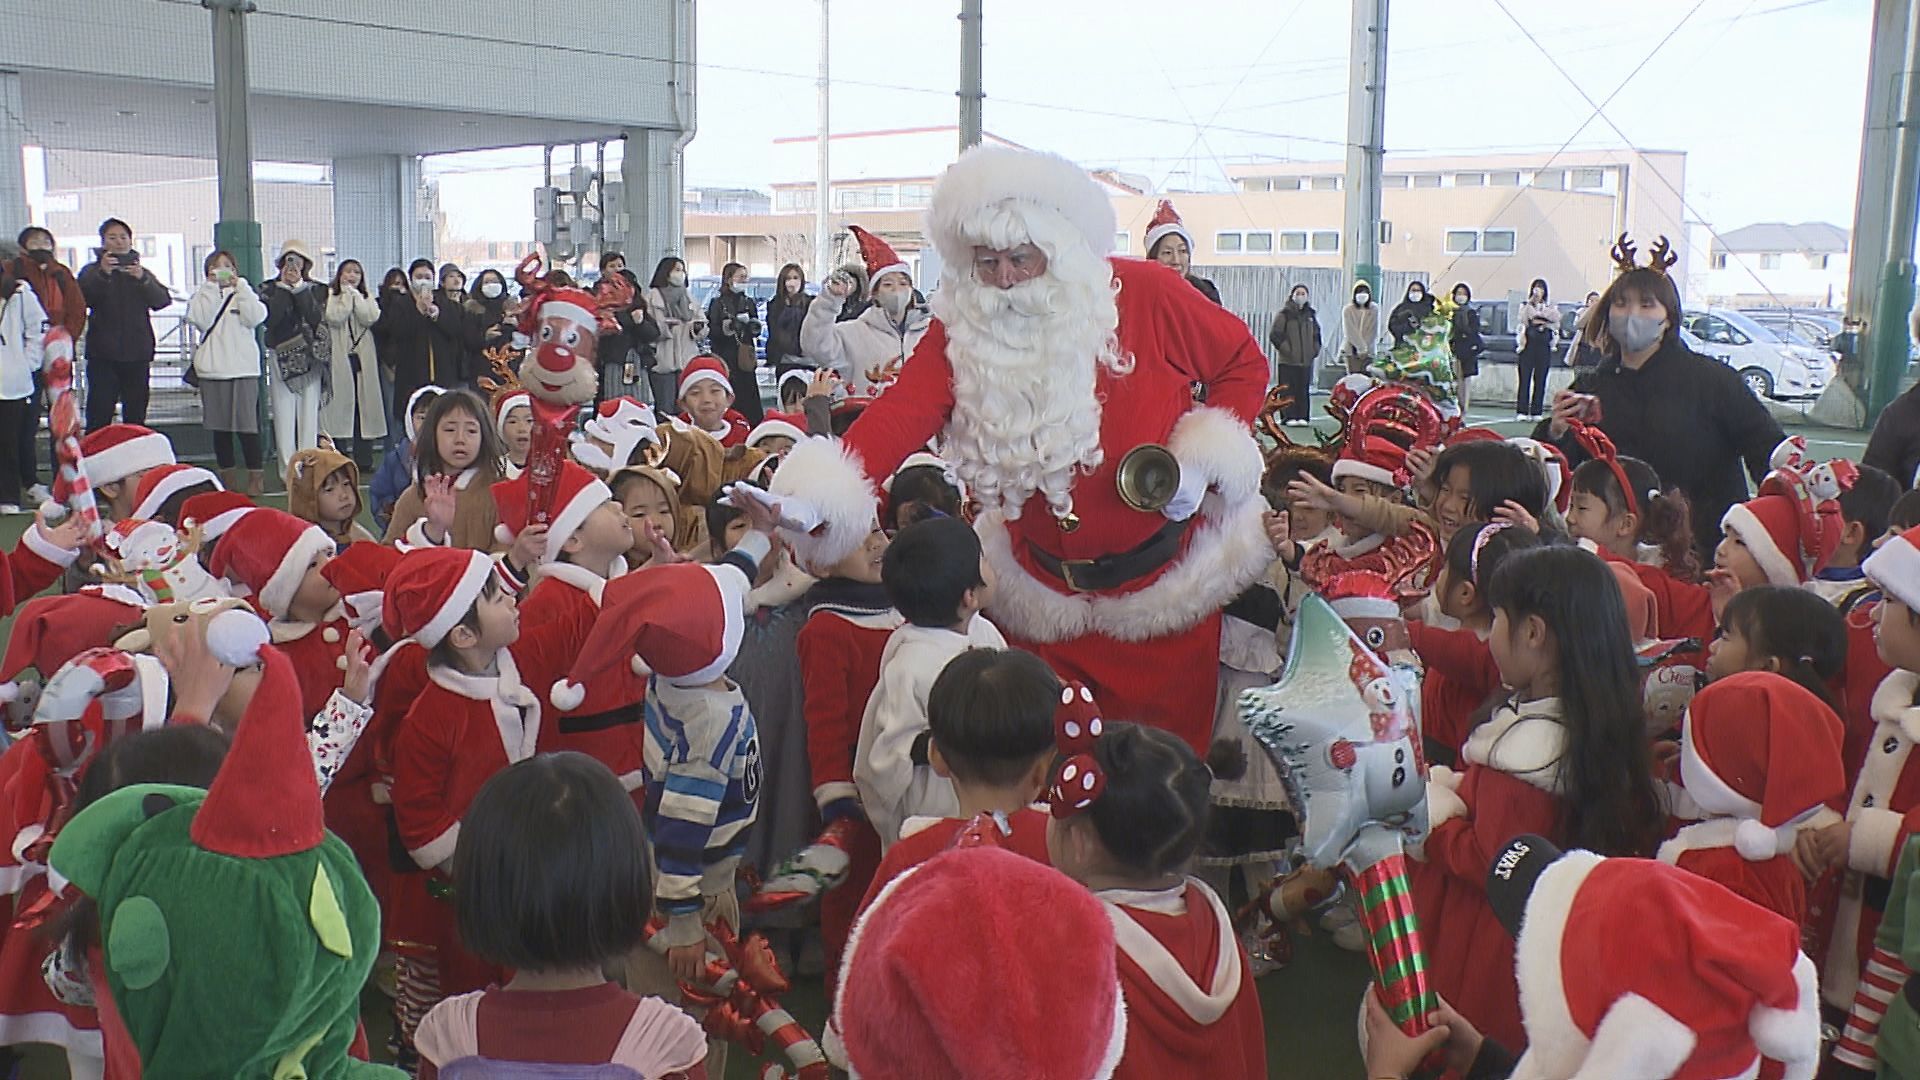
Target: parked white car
{"points": [[1771, 366]]}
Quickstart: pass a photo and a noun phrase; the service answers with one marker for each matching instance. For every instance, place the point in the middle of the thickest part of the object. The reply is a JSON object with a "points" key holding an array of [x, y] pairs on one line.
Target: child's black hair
{"points": [[1804, 633], [1666, 515], [1284, 466], [1502, 541], [553, 866], [1607, 797], [921, 492], [1496, 473], [991, 714], [169, 511], [720, 514], [426, 451], [1905, 511], [1153, 813], [1870, 503], [443, 653], [928, 569]]}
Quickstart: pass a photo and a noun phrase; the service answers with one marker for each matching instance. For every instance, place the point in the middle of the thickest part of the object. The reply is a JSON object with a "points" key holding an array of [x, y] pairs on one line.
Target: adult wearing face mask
{"points": [[451, 297], [682, 328], [1407, 314], [60, 297], [488, 314], [296, 317], [785, 312], [226, 313], [356, 415], [1360, 326], [1465, 341], [1295, 338], [426, 345], [735, 319], [1539, 323], [1689, 416], [121, 297], [867, 352]]}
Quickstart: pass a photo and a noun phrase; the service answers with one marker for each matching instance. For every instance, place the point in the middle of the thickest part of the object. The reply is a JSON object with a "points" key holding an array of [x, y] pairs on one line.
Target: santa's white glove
{"points": [[1186, 498], [795, 514]]}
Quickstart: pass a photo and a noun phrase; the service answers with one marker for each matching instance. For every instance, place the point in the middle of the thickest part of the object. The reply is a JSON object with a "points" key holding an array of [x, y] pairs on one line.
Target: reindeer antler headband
{"points": [[1599, 447], [1660, 256]]}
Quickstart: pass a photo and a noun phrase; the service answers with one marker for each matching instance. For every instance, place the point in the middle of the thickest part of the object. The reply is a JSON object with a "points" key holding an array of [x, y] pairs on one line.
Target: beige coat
{"points": [[350, 318]]}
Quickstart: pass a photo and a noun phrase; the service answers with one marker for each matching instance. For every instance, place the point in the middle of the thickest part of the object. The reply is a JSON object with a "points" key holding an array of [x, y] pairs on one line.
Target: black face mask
{"points": [[42, 256]]}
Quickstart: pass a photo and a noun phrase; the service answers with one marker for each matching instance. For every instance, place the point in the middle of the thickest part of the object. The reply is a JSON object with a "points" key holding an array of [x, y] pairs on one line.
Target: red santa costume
{"points": [[1709, 984], [1192, 1008], [563, 604], [1885, 807], [1023, 832], [34, 564], [1041, 390], [1761, 754], [733, 429], [354, 814], [268, 552], [215, 512]]}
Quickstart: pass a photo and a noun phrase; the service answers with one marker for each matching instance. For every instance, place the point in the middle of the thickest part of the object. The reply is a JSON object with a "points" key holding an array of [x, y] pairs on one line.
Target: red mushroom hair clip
{"points": [[1076, 727]]}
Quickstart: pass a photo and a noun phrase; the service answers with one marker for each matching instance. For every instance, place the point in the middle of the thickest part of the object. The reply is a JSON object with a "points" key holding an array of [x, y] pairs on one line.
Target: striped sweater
{"points": [[703, 789]]}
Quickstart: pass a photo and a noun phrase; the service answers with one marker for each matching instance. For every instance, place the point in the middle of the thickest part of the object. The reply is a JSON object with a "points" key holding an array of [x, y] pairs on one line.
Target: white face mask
{"points": [[491, 290], [422, 284], [895, 303], [1416, 296], [677, 279]]}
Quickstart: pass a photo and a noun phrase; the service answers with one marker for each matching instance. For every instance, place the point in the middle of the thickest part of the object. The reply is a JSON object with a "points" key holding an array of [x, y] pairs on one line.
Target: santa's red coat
{"points": [[608, 725], [1150, 648]]}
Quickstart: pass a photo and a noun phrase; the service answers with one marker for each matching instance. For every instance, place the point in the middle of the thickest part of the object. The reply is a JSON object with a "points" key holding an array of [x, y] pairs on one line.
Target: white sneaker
{"points": [[38, 494], [1520, 417], [9, 508]]}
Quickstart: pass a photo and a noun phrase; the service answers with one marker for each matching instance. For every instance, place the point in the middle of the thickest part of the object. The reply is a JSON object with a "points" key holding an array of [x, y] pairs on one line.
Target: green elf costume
{"points": [[236, 932]]}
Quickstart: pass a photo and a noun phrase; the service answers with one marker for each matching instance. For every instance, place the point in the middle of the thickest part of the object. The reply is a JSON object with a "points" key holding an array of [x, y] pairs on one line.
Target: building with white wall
{"points": [[1774, 264]]}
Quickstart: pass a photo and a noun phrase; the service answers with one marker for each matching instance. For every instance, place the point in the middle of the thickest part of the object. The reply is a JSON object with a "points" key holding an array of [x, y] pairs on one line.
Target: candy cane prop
{"points": [[65, 429], [1341, 727], [738, 993]]}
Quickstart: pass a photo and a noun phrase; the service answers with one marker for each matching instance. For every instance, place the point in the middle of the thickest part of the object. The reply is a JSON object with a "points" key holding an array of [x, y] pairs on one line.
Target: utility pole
{"points": [[236, 230], [1366, 138], [822, 264], [1880, 281], [972, 96]]}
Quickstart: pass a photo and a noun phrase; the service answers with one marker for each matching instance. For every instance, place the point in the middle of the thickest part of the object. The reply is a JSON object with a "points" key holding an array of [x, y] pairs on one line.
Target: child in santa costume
{"points": [[162, 493], [778, 432], [278, 560], [681, 625], [1129, 807], [991, 717], [1566, 755], [116, 457], [456, 461], [513, 418], [938, 580], [1785, 534], [706, 402], [1761, 756], [942, 981], [1620, 508], [44, 553], [214, 512], [1459, 671]]}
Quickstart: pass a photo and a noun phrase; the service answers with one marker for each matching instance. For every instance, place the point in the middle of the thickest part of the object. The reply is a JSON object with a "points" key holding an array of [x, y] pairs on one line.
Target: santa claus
{"points": [[1099, 408]]}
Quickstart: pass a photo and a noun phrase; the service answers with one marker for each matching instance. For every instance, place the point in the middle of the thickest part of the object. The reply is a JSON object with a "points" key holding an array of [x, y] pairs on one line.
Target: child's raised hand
{"points": [[65, 535], [1722, 587], [358, 683], [660, 546], [1512, 513], [200, 680], [1279, 526], [529, 547], [1420, 462], [1310, 491], [440, 505], [823, 383]]}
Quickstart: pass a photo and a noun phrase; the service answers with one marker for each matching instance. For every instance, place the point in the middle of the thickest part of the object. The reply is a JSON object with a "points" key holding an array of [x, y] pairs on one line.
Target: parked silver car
{"points": [[1771, 366]]}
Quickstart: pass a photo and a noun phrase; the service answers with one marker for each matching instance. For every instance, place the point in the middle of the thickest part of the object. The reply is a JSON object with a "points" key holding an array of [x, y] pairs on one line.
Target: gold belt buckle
{"points": [[1067, 567]]}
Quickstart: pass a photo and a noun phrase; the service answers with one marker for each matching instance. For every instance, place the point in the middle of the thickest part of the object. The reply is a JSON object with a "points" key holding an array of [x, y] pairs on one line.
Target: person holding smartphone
{"points": [[121, 295]]}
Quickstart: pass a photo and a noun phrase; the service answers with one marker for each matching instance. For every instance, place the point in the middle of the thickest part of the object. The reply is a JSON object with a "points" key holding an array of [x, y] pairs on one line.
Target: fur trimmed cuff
{"points": [[437, 850], [1219, 447], [833, 791], [36, 541], [1873, 843], [416, 535], [828, 478]]}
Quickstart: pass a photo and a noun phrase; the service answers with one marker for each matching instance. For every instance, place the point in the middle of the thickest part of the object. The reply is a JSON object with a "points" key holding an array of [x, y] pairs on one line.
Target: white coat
{"points": [[23, 332], [349, 321], [862, 347], [678, 343], [228, 349]]}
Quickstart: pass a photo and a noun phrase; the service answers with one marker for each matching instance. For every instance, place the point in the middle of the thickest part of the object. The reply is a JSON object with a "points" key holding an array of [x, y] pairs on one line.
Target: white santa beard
{"points": [[1025, 419]]}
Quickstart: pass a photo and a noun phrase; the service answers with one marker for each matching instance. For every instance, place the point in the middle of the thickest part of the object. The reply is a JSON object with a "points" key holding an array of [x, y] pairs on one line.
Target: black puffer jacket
{"points": [[784, 316], [119, 326], [1895, 442]]}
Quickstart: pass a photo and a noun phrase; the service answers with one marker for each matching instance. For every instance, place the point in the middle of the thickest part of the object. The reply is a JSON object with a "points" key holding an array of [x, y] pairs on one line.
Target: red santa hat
{"points": [[803, 376], [577, 493], [508, 402], [682, 622], [360, 575], [1553, 465], [1792, 527], [215, 511], [571, 306], [430, 590], [118, 451], [1166, 222], [792, 425], [1710, 983], [704, 369], [48, 631], [1760, 747], [1373, 458], [1895, 568], [265, 800], [269, 551], [917, 998], [1024, 180], [879, 257], [1361, 594], [163, 482]]}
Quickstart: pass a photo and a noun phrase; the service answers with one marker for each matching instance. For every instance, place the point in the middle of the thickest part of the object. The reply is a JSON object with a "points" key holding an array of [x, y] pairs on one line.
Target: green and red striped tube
{"points": [[1393, 942]]}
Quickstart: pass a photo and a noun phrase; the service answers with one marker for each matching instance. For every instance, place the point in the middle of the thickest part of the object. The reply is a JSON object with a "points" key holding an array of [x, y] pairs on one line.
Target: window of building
{"points": [[1497, 241], [1395, 180], [1326, 240], [791, 200], [1326, 183], [1463, 241], [1293, 241], [1286, 183], [1119, 243], [1550, 178], [1480, 241], [1817, 262], [1588, 179], [1719, 260], [1226, 243], [915, 196], [865, 197], [1503, 179], [148, 248], [1470, 179], [1770, 261], [1426, 180], [1259, 242]]}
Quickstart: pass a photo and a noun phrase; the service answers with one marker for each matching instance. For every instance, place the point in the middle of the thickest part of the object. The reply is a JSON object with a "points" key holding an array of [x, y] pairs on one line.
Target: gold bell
{"points": [[1148, 477], [1067, 522]]}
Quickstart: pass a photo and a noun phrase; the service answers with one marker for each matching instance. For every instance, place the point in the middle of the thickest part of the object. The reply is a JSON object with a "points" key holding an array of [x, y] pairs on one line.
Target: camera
{"points": [[743, 328]]}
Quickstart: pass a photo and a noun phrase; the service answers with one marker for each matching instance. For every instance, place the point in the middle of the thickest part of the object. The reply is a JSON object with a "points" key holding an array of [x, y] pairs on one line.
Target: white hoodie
{"points": [[23, 330], [230, 351]]}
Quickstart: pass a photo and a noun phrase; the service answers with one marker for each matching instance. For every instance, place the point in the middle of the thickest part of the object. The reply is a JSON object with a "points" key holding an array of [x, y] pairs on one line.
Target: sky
{"points": [[1765, 96]]}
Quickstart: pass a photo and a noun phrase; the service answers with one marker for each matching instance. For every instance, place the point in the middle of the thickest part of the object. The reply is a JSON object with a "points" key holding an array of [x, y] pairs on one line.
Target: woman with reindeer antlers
{"points": [[1687, 415]]}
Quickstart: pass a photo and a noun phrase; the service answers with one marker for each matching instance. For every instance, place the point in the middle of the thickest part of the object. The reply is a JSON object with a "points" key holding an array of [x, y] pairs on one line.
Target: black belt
{"points": [[1113, 571], [601, 721]]}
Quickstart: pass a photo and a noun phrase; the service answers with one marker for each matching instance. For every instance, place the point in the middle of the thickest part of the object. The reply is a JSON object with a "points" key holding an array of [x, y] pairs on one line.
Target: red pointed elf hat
{"points": [[879, 256], [1166, 222], [265, 801]]}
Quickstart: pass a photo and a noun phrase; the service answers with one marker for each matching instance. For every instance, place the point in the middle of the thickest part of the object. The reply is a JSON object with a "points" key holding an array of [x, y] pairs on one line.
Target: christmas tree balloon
{"points": [[1424, 359]]}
